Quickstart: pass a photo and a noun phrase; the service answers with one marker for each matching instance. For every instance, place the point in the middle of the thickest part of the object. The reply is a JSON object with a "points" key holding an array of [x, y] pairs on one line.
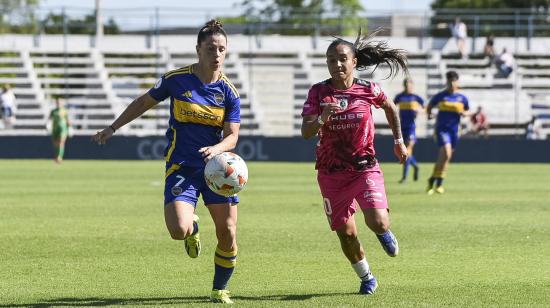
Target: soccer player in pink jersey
{"points": [[339, 111]]}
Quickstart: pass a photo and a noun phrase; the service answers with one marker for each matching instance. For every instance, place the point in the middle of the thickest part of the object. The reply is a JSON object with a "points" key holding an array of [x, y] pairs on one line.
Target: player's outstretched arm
{"points": [[134, 110], [393, 120]]}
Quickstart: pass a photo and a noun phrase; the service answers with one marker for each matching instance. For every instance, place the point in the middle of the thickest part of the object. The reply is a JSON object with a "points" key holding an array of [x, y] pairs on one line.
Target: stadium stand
{"points": [[273, 83]]}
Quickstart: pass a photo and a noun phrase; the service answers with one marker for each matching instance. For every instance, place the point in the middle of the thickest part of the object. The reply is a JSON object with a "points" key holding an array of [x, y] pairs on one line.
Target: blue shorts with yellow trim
{"points": [[409, 134], [444, 137], [187, 184]]}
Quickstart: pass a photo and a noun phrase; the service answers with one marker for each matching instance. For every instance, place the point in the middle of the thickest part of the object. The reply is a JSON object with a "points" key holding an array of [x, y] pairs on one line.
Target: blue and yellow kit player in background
{"points": [[204, 121], [452, 106], [409, 104]]}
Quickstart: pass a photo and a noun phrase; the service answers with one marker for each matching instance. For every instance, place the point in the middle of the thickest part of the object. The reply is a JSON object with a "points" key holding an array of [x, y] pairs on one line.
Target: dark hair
{"points": [[407, 80], [371, 53], [212, 27], [452, 75]]}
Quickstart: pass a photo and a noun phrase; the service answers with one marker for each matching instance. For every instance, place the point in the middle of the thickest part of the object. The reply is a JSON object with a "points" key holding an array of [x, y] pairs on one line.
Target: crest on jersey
{"points": [[343, 103], [159, 82], [187, 94], [219, 97]]}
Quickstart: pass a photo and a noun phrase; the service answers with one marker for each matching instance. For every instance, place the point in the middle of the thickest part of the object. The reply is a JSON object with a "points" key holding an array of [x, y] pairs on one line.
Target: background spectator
{"points": [[504, 63], [460, 33], [7, 102], [534, 129], [489, 48], [480, 124]]}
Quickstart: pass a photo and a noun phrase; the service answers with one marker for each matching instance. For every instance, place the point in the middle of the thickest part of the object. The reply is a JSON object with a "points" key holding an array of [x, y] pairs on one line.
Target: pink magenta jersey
{"points": [[349, 134]]}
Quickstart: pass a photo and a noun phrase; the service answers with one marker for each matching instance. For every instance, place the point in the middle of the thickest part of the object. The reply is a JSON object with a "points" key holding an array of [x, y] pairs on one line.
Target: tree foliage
{"points": [[18, 16], [54, 24], [302, 17]]}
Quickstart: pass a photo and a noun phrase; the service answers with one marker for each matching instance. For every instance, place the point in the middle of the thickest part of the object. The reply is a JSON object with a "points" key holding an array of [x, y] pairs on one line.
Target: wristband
{"points": [[111, 127], [398, 141], [320, 121]]}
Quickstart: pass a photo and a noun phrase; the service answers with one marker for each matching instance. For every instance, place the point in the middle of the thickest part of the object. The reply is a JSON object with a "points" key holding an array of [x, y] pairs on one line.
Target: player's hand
{"points": [[328, 110], [209, 152], [400, 152], [102, 136]]}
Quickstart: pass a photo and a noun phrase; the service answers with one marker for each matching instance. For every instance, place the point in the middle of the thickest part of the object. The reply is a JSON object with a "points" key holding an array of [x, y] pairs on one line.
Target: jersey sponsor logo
{"points": [[371, 182], [187, 112], [457, 107], [219, 97], [159, 82], [412, 105], [347, 116]]}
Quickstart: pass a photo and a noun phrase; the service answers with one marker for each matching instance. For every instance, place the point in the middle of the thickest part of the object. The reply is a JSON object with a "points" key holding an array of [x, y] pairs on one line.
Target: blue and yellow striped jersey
{"points": [[197, 113], [451, 106], [408, 104]]}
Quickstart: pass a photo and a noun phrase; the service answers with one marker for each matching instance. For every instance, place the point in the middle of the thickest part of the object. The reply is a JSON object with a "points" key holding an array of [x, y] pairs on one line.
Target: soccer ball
{"points": [[226, 174]]}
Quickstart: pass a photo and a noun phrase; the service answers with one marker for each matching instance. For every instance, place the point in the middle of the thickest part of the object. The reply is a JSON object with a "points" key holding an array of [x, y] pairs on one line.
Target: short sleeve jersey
{"points": [[408, 104], [451, 106], [349, 133], [197, 113]]}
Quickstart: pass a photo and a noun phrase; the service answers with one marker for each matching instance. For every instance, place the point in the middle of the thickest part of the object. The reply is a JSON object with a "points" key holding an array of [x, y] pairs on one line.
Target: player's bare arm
{"points": [[229, 142], [133, 111], [311, 124], [392, 116]]}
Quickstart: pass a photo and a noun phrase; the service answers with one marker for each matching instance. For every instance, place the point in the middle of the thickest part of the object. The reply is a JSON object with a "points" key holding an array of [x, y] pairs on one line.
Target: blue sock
{"points": [[412, 161], [406, 168], [224, 264]]}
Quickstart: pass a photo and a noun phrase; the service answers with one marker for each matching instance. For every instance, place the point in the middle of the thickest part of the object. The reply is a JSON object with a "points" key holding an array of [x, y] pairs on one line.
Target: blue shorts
{"points": [[444, 137], [409, 134], [187, 184], [7, 112]]}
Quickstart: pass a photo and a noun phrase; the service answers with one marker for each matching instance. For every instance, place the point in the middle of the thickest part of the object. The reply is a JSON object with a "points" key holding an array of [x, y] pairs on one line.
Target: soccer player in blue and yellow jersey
{"points": [[204, 121], [452, 106], [409, 104]]}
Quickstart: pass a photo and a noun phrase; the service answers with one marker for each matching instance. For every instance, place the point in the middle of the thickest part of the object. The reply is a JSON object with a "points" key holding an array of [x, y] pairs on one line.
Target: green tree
{"points": [[302, 17], [53, 24], [18, 16]]}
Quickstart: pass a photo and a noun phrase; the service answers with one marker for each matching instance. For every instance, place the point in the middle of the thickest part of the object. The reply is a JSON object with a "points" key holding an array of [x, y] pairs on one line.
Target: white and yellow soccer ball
{"points": [[226, 174]]}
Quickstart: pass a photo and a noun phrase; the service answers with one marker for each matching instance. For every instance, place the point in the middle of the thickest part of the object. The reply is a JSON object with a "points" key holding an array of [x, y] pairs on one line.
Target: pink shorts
{"points": [[343, 190]]}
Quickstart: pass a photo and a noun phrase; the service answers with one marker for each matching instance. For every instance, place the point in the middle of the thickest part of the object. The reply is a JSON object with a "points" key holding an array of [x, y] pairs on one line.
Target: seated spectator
{"points": [[480, 125], [489, 48], [7, 104], [534, 129], [505, 64]]}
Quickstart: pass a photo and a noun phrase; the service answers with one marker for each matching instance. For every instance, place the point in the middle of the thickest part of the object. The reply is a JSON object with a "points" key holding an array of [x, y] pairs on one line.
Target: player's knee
{"points": [[380, 226], [347, 238], [180, 231], [227, 231]]}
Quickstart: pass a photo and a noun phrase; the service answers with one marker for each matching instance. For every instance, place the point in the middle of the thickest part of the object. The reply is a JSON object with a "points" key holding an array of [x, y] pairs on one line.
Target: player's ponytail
{"points": [[373, 53], [212, 27]]}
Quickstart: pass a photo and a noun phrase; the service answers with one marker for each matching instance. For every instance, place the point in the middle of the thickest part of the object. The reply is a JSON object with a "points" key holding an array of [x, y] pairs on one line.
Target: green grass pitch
{"points": [[91, 233]]}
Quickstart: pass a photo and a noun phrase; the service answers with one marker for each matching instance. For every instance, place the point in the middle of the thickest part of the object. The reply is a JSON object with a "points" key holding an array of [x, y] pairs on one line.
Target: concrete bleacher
{"points": [[273, 83]]}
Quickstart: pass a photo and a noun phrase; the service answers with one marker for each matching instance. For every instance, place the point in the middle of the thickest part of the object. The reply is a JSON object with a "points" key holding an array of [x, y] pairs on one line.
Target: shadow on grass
{"points": [[157, 301]]}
